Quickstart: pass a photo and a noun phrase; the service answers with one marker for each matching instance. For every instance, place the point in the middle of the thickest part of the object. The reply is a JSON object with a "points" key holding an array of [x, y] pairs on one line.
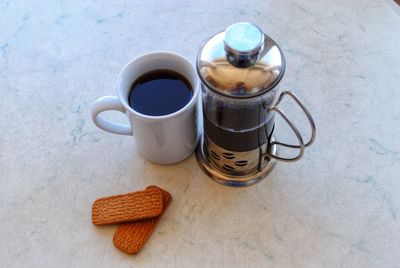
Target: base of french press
{"points": [[229, 179]]}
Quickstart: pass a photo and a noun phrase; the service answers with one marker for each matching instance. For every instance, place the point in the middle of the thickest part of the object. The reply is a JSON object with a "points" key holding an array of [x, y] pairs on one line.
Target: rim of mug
{"points": [[193, 100]]}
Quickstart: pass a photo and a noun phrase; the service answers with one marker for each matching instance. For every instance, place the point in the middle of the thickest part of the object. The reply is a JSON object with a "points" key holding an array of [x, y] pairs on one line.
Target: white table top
{"points": [[337, 207]]}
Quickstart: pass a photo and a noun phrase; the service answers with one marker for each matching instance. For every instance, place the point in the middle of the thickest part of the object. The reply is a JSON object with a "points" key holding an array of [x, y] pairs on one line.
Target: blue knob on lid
{"points": [[243, 37]]}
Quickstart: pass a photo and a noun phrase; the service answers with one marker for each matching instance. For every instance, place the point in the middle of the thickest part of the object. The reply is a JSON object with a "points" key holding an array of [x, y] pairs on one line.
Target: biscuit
{"points": [[130, 237], [128, 207]]}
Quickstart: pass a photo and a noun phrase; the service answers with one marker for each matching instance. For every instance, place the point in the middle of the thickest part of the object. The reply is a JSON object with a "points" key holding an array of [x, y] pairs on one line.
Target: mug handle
{"points": [[109, 103], [301, 145]]}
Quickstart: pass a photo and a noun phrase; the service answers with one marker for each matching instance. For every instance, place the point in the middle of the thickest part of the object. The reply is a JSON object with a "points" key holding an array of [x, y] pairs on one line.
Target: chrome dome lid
{"points": [[241, 62]]}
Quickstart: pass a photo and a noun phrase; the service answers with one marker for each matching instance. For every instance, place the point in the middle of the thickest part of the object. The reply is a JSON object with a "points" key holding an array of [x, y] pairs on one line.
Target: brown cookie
{"points": [[131, 236], [128, 207]]}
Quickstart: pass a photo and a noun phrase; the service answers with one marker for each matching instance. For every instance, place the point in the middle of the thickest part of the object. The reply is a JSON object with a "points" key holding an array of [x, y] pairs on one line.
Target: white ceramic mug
{"points": [[163, 139]]}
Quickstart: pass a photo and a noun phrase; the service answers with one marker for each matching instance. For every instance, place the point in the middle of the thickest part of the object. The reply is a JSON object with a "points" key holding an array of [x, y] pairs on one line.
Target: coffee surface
{"points": [[160, 92]]}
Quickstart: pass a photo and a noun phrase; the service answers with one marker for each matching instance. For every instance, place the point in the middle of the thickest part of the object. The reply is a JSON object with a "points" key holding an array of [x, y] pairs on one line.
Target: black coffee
{"points": [[237, 127], [238, 140], [160, 92]]}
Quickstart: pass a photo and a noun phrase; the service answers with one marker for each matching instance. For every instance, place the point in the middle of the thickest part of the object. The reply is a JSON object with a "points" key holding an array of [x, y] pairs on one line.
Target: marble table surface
{"points": [[337, 207]]}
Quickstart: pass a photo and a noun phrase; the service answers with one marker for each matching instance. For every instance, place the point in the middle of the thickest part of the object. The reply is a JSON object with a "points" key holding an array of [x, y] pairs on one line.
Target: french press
{"points": [[240, 69]]}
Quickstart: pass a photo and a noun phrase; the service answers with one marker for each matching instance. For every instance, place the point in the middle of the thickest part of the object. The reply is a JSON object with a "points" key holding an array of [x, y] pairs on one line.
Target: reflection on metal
{"points": [[228, 173]]}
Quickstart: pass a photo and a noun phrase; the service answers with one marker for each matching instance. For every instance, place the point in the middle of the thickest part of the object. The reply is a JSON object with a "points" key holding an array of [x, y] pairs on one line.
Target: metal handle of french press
{"points": [[301, 145]]}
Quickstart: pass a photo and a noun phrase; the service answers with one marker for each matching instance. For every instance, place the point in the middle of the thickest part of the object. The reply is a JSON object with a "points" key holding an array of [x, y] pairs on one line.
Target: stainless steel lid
{"points": [[241, 62]]}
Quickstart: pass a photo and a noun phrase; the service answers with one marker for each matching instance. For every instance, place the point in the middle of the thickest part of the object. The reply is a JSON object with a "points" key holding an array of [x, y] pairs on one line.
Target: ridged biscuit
{"points": [[128, 207], [130, 237]]}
